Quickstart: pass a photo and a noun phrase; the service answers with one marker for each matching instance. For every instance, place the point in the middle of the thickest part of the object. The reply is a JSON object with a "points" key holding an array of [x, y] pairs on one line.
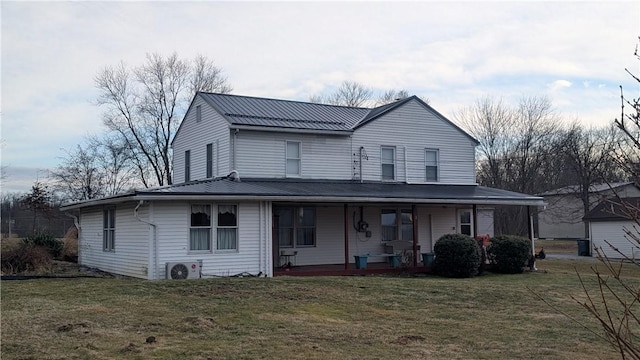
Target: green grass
{"points": [[374, 317]]}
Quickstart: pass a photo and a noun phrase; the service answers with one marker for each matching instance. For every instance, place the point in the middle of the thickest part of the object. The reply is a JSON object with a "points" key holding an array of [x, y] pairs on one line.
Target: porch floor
{"points": [[338, 270]]}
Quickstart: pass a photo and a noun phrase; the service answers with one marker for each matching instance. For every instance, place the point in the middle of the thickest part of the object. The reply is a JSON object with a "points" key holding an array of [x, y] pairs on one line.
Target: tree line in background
{"points": [[523, 148]]}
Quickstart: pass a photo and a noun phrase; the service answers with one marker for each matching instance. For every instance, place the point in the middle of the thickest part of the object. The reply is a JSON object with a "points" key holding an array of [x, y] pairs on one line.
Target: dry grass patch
{"points": [[488, 317]]}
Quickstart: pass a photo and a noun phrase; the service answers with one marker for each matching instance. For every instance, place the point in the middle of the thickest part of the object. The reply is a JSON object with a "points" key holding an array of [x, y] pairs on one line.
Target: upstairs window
{"points": [[198, 113], [293, 158], [388, 162], [227, 234], [109, 229], [187, 166], [209, 161], [431, 164]]}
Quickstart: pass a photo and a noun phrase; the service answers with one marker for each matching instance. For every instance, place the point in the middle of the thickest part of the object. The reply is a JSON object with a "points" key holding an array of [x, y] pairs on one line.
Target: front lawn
{"points": [[487, 317]]}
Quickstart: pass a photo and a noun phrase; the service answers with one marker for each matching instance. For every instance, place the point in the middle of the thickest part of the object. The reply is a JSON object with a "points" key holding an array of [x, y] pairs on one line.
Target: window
{"points": [[295, 226], [293, 158], [187, 165], [200, 230], [227, 232], [388, 160], [465, 221], [397, 224], [198, 113], [431, 165], [209, 161], [109, 229]]}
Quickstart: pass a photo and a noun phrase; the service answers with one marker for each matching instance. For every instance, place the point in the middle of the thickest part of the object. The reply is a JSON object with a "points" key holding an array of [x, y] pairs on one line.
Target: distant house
{"points": [[613, 222], [262, 184], [562, 217]]}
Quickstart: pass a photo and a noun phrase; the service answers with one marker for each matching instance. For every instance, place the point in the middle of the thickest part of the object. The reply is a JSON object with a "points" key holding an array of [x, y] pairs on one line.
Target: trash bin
{"points": [[583, 247], [427, 259], [361, 262]]}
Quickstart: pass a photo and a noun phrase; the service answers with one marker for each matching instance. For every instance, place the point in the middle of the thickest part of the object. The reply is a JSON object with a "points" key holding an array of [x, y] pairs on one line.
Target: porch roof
{"points": [[325, 191]]}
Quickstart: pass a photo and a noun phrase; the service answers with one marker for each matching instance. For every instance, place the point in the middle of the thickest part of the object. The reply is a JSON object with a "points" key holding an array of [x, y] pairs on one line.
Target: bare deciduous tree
{"points": [[102, 168], [144, 106], [516, 152]]}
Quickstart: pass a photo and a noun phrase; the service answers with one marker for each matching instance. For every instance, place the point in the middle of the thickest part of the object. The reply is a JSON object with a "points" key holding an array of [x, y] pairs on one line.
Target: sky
{"points": [[451, 53]]}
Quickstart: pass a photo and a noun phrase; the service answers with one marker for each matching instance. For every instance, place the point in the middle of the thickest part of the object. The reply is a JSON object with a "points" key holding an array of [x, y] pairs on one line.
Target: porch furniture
{"points": [[286, 256], [361, 260], [396, 246]]}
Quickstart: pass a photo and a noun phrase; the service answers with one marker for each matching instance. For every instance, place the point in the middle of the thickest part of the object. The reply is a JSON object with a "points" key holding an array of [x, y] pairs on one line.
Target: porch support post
{"points": [[414, 222], [346, 236], [475, 220], [531, 236]]}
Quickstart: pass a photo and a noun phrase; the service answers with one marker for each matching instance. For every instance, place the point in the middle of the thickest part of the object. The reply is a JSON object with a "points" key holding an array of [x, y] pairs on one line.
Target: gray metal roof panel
{"points": [[246, 110], [299, 189]]}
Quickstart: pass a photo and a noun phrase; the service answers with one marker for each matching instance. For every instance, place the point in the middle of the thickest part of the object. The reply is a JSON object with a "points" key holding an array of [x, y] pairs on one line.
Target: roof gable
{"points": [[615, 209], [376, 113]]}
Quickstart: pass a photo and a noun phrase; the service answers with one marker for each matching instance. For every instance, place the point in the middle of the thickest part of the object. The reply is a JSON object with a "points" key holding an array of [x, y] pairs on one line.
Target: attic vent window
{"points": [[198, 113]]}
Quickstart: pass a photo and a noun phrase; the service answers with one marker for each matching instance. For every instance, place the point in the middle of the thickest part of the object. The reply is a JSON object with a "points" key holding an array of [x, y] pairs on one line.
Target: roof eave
{"points": [[290, 130]]}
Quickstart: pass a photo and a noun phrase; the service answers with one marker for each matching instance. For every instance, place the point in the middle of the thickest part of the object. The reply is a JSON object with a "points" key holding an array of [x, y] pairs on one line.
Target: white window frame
{"points": [[209, 157], [460, 223], [427, 164], [187, 166], [398, 223], [292, 159], [383, 163], [225, 227], [208, 227], [109, 229], [296, 226]]}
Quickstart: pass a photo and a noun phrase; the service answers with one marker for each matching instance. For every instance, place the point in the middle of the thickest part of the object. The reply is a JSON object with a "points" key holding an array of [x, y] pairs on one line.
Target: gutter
{"points": [[154, 238], [292, 130]]}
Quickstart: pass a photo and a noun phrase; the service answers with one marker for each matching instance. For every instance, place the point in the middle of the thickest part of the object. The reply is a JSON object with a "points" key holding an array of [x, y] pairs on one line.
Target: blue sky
{"points": [[449, 52]]}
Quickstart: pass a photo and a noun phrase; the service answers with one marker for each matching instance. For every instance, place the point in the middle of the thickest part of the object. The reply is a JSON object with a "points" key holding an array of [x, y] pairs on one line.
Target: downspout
{"points": [[153, 238], [233, 155], [76, 223]]}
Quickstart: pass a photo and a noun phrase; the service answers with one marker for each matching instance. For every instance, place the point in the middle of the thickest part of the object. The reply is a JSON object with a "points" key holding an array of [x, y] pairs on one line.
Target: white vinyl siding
{"points": [[192, 135], [253, 254], [614, 233], [412, 128], [132, 243], [263, 154]]}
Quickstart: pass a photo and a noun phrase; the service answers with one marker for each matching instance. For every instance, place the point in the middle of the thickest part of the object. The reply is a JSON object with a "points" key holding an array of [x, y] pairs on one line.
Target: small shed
{"points": [[614, 227]]}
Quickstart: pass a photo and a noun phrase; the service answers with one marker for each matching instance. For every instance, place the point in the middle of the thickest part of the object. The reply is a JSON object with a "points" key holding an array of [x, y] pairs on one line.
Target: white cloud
{"points": [[559, 84]]}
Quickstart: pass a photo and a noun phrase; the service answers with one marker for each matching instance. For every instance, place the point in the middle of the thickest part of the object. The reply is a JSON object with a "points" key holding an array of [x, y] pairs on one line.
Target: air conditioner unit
{"points": [[183, 270]]}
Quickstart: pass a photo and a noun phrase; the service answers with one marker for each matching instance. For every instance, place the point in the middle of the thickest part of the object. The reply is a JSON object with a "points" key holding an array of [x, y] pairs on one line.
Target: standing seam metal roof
{"points": [[253, 111]]}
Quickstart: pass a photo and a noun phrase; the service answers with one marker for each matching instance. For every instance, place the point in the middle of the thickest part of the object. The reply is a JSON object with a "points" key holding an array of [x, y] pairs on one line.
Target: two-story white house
{"points": [[261, 183]]}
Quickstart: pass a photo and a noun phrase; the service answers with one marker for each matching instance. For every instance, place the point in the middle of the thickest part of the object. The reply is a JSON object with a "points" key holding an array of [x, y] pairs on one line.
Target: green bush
{"points": [[456, 255], [25, 258], [47, 241], [509, 254]]}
